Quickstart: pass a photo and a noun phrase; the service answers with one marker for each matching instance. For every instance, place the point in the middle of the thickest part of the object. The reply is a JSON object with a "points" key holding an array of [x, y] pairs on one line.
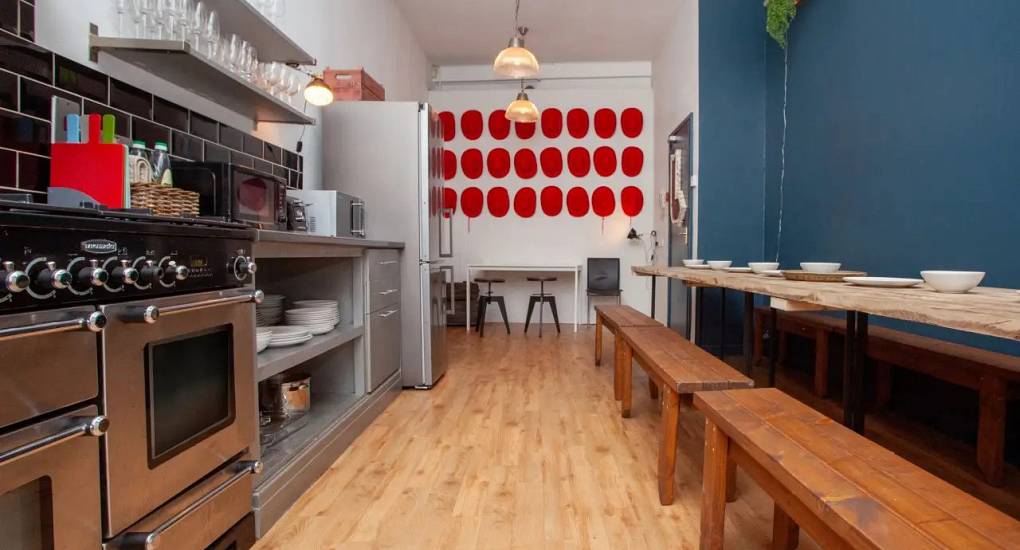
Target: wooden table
{"points": [[575, 269], [988, 311]]}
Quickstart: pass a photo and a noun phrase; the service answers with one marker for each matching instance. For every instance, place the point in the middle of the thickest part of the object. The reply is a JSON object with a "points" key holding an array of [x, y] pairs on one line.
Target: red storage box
{"points": [[353, 85]]}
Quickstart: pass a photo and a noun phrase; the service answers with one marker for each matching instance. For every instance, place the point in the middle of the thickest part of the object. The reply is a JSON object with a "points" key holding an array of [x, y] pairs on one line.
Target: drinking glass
{"points": [[277, 9], [127, 8], [211, 32], [196, 26], [293, 85], [235, 47], [155, 15]]}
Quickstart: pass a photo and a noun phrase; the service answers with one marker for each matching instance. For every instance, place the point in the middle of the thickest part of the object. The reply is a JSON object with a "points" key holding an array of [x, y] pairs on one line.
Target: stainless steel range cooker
{"points": [[126, 380]]}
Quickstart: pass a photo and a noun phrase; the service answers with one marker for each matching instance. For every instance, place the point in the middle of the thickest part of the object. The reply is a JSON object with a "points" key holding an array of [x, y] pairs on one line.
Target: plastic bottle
{"points": [[139, 166], [161, 173]]}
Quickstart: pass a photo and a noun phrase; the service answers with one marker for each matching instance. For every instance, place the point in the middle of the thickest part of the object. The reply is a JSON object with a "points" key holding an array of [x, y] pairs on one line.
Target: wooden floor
{"points": [[519, 446]]}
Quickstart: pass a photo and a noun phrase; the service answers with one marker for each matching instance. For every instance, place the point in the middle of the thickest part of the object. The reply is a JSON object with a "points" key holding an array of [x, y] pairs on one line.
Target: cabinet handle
{"points": [[388, 313], [388, 262], [93, 426], [388, 292], [93, 322]]}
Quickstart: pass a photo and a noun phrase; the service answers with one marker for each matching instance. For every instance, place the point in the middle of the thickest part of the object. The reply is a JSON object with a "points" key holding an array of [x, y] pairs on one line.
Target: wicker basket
{"points": [[164, 201]]}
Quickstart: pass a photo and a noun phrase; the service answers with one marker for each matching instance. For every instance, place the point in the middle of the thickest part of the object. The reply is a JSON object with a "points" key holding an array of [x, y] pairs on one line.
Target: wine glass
{"points": [[154, 15], [293, 86], [277, 9], [196, 25], [233, 50], [211, 32], [127, 8]]}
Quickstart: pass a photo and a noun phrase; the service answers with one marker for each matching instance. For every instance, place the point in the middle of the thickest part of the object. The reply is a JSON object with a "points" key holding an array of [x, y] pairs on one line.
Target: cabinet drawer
{"points": [[382, 295], [383, 265], [384, 345]]}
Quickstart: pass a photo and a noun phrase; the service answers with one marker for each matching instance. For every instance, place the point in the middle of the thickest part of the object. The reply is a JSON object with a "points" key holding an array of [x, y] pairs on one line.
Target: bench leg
{"points": [[667, 444], [991, 428], [626, 378], [653, 388], [821, 363], [617, 368], [713, 496], [598, 340], [785, 532]]}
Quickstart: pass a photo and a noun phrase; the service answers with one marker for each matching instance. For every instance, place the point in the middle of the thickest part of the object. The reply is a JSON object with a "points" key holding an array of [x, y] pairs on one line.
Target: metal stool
{"points": [[484, 300], [539, 299]]}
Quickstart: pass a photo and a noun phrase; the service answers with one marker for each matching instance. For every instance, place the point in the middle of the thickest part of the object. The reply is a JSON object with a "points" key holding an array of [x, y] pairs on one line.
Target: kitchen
{"points": [[328, 274]]}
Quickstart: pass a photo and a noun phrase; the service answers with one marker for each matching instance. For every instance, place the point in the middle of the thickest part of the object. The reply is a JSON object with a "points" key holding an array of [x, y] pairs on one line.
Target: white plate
{"points": [[312, 320], [284, 331], [261, 346], [313, 303], [820, 267], [883, 282], [290, 342], [320, 329], [772, 273], [699, 266], [738, 269]]}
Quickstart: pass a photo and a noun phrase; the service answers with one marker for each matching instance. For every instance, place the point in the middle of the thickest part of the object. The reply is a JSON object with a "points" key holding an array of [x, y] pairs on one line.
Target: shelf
{"points": [[176, 62], [276, 360], [241, 18], [326, 410], [290, 244]]}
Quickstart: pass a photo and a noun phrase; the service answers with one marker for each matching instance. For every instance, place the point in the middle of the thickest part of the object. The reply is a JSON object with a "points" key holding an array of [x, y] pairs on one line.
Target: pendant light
{"points": [[515, 61], [318, 93], [522, 109]]}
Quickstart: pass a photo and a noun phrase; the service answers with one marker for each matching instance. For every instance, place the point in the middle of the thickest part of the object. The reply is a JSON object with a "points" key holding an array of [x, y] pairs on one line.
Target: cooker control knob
{"points": [[52, 278], [93, 275], [13, 280], [124, 274], [174, 272], [244, 266], [150, 273]]}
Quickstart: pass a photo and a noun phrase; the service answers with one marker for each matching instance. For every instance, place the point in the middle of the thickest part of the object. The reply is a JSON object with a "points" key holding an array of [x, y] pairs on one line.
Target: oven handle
{"points": [[150, 540], [94, 426], [150, 314], [93, 322]]}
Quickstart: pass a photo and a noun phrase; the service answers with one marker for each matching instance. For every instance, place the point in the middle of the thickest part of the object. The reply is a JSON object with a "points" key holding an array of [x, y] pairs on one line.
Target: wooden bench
{"points": [[986, 372], [612, 318], [841, 488], [677, 367]]}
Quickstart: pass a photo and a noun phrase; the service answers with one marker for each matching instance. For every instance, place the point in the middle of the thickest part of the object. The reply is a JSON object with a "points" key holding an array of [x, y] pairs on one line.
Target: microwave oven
{"points": [[331, 213], [235, 193]]}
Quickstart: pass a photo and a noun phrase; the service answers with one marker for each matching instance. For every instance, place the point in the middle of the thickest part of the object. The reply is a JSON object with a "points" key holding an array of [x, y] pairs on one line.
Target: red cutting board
{"points": [[98, 170]]}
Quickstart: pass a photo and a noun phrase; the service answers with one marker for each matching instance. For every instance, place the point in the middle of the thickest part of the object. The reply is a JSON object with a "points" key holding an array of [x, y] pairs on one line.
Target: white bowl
{"points": [[719, 264], [953, 282], [689, 263], [820, 267], [762, 267]]}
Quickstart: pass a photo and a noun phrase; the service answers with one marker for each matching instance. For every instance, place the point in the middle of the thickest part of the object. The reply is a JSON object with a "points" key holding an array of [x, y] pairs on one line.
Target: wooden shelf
{"points": [[177, 62], [276, 360], [243, 19]]}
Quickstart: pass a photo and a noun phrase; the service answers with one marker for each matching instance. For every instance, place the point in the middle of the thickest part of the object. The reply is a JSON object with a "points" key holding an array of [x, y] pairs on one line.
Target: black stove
{"points": [[53, 257]]}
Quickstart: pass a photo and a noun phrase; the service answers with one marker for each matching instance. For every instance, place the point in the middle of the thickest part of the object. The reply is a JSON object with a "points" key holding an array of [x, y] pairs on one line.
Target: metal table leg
{"points": [[773, 345], [654, 278], [722, 323], [854, 363], [699, 308], [748, 332]]}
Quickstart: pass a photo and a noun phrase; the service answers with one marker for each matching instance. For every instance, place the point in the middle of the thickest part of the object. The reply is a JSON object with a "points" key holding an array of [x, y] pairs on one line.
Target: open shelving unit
{"points": [[240, 17], [273, 361]]}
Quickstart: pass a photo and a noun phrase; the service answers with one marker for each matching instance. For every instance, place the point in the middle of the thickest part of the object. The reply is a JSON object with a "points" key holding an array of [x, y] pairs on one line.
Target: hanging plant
{"points": [[778, 15]]}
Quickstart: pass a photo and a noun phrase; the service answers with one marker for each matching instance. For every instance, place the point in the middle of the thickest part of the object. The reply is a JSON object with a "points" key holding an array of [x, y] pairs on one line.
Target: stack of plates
{"points": [[270, 311], [317, 303], [288, 336], [317, 319], [262, 338]]}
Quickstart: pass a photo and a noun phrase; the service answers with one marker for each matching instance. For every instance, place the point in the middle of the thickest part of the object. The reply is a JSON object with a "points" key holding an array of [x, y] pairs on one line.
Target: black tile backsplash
{"points": [[35, 75], [77, 78], [9, 16], [27, 21]]}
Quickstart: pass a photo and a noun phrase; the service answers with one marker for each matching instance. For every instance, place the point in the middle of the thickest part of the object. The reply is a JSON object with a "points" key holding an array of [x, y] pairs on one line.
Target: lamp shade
{"points": [[318, 93], [516, 61], [522, 109]]}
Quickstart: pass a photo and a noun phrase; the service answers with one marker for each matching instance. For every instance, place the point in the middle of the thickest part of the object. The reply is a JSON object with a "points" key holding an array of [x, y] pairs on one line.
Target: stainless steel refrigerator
{"points": [[389, 153]]}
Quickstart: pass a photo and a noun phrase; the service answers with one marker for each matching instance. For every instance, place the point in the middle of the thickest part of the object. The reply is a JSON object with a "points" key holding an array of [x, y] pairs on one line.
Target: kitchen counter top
{"points": [[286, 244], [262, 235]]}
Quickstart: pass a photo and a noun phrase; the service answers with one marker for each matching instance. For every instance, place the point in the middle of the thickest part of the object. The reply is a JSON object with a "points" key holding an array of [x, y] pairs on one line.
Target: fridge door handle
{"points": [[447, 214], [451, 309]]}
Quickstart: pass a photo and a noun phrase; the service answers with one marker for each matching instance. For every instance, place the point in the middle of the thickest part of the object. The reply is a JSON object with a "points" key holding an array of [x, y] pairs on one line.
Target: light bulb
{"points": [[318, 93]]}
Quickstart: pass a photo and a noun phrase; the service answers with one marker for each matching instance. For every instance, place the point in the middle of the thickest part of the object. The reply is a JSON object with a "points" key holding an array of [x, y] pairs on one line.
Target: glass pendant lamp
{"points": [[516, 61], [318, 93], [522, 109]]}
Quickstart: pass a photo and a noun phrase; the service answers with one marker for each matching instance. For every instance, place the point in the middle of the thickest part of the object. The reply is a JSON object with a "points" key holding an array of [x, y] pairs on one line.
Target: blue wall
{"points": [[903, 141]]}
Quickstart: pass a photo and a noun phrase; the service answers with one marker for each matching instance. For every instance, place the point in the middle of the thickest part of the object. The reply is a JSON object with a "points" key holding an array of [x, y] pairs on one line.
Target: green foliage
{"points": [[779, 14]]}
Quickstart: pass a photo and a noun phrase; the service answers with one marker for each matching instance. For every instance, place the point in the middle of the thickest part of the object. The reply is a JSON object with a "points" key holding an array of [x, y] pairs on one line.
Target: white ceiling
{"points": [[465, 32]]}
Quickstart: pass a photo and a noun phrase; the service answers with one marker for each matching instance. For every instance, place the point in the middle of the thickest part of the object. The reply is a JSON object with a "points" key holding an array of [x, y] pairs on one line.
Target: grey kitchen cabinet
{"points": [[382, 315]]}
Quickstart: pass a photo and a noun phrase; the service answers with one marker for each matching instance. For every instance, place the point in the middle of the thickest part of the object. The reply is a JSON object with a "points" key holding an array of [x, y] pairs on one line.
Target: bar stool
{"points": [[539, 299], [486, 299]]}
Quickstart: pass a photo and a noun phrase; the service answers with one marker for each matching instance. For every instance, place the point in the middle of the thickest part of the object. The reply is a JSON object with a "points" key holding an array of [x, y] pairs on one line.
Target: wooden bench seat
{"points": [[841, 488], [677, 367], [612, 318], [986, 372]]}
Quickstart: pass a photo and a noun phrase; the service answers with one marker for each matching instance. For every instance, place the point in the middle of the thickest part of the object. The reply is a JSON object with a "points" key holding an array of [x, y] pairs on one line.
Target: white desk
{"points": [[561, 268]]}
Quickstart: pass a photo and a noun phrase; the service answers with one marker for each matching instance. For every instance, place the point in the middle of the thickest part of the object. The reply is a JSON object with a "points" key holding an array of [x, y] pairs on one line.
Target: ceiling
{"points": [[468, 32]]}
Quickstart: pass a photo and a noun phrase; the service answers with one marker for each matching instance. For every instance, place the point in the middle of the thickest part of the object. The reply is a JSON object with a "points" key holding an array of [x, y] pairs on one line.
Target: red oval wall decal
{"points": [[471, 163], [498, 163], [524, 202], [577, 123], [632, 200], [449, 165], [449, 123], [525, 164], [552, 162], [631, 122], [449, 202], [604, 160], [578, 162], [603, 201], [577, 202], [552, 122], [632, 160], [499, 126], [605, 123], [552, 201], [471, 201], [498, 200], [471, 124], [525, 130]]}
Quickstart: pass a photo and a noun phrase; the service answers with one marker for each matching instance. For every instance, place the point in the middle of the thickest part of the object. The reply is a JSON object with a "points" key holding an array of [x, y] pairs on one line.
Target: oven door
{"points": [[178, 379], [49, 484]]}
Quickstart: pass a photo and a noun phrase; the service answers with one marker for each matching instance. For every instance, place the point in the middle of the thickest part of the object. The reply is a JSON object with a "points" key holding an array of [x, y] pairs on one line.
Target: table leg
{"points": [[748, 332], [773, 345], [698, 310], [654, 278], [577, 297], [598, 340], [467, 296], [855, 357], [722, 323]]}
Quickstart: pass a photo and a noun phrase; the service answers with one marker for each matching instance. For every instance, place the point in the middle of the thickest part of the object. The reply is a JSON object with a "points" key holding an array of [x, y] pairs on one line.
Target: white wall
{"points": [[339, 33], [562, 239], [675, 86]]}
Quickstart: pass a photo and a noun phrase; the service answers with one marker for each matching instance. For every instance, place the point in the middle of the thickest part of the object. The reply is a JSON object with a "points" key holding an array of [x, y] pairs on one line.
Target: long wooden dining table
{"points": [[989, 311]]}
